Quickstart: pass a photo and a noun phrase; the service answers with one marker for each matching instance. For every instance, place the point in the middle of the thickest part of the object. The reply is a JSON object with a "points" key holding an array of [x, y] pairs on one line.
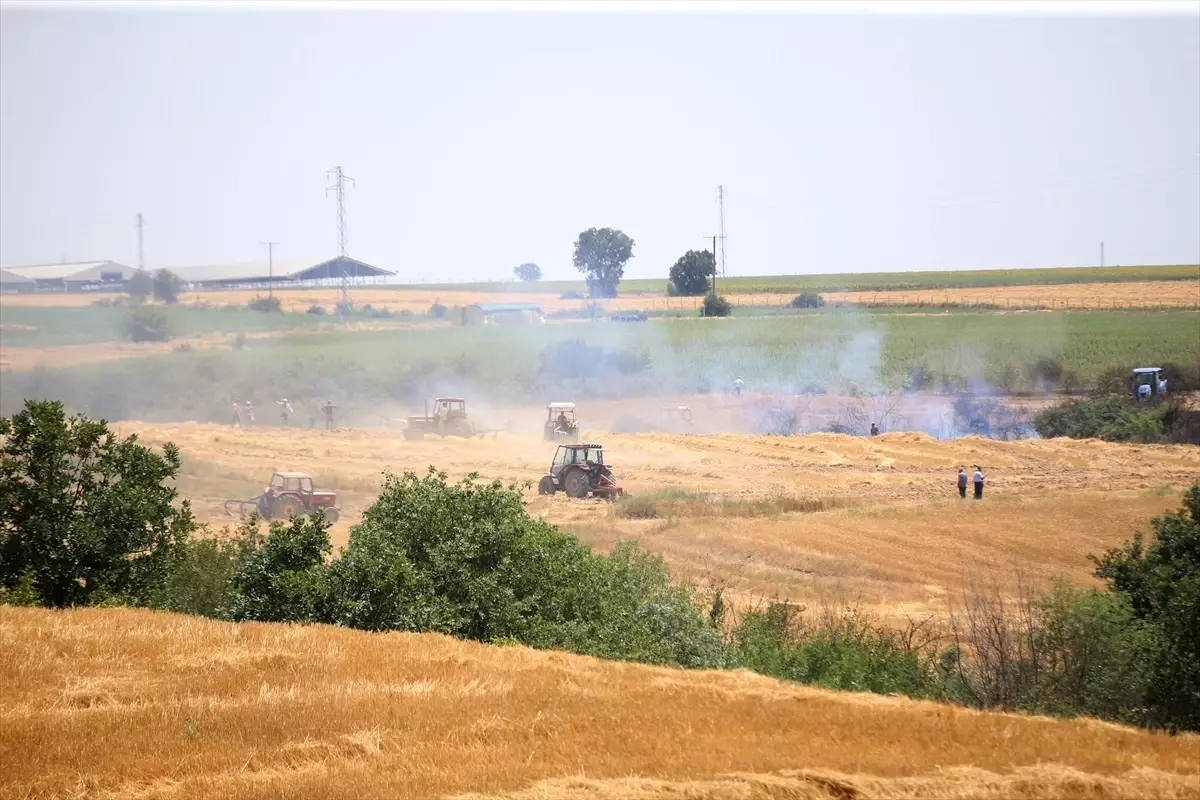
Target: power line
{"points": [[339, 186]]}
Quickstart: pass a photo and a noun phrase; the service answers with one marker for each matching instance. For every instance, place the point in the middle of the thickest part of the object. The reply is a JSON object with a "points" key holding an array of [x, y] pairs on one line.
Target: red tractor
{"points": [[579, 470], [290, 494]]}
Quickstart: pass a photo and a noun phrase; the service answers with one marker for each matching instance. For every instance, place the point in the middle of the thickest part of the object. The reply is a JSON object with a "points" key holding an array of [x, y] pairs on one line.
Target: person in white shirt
{"points": [[978, 482], [737, 386]]}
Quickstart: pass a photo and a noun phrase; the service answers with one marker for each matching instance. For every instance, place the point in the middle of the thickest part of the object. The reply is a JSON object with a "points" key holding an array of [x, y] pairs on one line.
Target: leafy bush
{"points": [[282, 578], [715, 306], [437, 311], [838, 650], [1162, 585], [140, 285], [147, 324], [88, 515], [316, 310], [268, 304], [201, 578], [167, 286], [572, 295], [808, 300], [1110, 417]]}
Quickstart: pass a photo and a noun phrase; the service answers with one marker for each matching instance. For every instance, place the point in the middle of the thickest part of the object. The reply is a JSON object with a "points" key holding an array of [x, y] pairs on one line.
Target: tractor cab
{"points": [[297, 482], [454, 407], [1147, 382], [579, 470], [677, 418], [560, 422], [583, 455]]}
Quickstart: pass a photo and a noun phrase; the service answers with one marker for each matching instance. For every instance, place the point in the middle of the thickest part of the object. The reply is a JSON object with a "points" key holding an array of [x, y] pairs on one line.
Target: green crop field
{"points": [[52, 326], [826, 350], [862, 281]]}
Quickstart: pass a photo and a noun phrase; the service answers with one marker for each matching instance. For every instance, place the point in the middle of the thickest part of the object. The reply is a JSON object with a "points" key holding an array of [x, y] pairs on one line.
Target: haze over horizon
{"points": [[479, 141]]}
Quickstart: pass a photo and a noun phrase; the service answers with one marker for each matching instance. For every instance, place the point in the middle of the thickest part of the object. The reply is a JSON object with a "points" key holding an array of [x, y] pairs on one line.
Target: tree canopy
{"points": [[84, 513], [691, 273], [528, 272], [601, 255]]}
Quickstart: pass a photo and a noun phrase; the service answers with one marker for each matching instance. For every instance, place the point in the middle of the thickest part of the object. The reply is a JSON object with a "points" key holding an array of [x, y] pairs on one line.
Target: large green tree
{"points": [[167, 286], [601, 255], [691, 274], [84, 513]]}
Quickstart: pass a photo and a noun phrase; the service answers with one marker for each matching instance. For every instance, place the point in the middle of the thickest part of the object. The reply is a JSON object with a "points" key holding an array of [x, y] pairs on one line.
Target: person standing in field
{"points": [[328, 409], [285, 411], [874, 429], [249, 412], [962, 483], [237, 411], [737, 386], [978, 482]]}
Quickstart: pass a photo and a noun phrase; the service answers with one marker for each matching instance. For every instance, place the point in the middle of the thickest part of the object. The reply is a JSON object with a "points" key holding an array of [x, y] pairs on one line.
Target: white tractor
{"points": [[1147, 382]]}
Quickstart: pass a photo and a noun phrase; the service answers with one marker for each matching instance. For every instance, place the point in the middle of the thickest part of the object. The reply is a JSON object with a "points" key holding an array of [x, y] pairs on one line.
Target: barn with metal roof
{"points": [[256, 273], [75, 276], [12, 282]]}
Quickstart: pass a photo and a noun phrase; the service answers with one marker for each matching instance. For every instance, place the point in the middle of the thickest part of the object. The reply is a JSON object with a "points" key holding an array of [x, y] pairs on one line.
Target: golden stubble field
{"points": [[1182, 293], [120, 704], [895, 537]]}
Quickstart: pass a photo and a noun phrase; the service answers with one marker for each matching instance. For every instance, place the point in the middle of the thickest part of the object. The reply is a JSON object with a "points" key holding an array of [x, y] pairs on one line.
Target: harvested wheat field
{"points": [[875, 520], [119, 703], [1135, 294]]}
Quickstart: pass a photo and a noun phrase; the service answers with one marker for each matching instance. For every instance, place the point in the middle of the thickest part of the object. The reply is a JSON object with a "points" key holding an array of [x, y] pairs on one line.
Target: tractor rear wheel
{"points": [[331, 515], [287, 508], [546, 485], [576, 484]]}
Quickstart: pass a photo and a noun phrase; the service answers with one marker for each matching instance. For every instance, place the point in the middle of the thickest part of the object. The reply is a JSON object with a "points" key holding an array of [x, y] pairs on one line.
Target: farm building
{"points": [[502, 314], [12, 282], [304, 273], [74, 277]]}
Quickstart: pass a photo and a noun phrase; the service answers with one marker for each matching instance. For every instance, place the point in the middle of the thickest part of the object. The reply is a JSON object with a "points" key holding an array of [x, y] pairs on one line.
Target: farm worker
{"points": [[874, 429], [562, 420], [1162, 386], [249, 412], [978, 482], [328, 409], [443, 414], [737, 386], [237, 411], [286, 410], [962, 483]]}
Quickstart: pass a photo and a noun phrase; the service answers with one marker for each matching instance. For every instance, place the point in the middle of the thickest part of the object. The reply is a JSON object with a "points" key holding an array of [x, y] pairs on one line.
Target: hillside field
{"points": [[870, 520], [118, 704]]}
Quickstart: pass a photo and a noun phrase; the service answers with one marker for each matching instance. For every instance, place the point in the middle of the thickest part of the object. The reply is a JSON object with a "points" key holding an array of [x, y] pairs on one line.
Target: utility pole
{"points": [[270, 267], [721, 212], [1102, 254], [141, 243], [339, 185], [714, 250]]}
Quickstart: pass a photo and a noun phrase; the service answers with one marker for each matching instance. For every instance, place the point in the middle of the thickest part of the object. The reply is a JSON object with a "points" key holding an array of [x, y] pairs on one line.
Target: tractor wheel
{"points": [[576, 484], [411, 433], [331, 515], [546, 485], [461, 428], [287, 508]]}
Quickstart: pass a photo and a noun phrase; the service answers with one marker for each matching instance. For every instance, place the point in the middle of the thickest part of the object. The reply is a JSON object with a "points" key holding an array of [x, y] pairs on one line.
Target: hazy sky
{"points": [[480, 141]]}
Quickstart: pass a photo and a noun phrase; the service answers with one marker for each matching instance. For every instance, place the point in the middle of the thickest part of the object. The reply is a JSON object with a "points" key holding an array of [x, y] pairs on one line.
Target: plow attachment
{"points": [[607, 488], [243, 507]]}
